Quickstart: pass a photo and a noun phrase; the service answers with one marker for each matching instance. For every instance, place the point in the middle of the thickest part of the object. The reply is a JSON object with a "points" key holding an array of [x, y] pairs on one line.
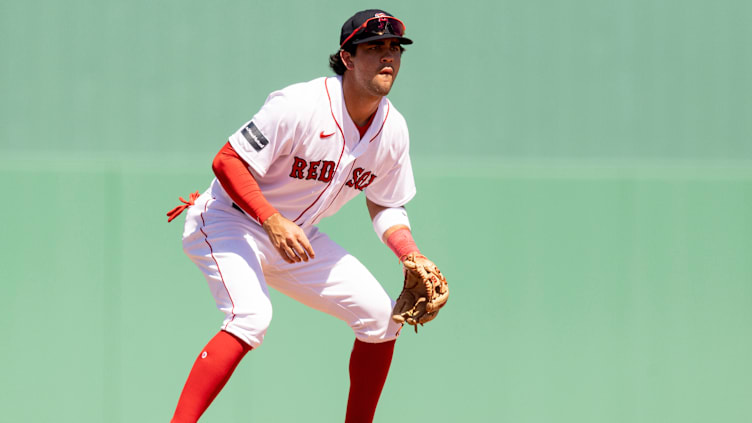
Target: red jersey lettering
{"points": [[297, 168]]}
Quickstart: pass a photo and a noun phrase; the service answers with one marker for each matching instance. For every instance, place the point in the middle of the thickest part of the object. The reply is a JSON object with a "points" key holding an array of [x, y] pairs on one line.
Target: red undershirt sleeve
{"points": [[232, 172]]}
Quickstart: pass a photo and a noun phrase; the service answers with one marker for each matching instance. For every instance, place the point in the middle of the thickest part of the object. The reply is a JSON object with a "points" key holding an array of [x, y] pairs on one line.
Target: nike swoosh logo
{"points": [[323, 135]]}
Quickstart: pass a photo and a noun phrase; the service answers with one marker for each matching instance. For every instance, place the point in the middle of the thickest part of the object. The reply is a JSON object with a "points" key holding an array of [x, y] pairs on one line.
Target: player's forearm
{"points": [[401, 242], [232, 172], [393, 228], [387, 220]]}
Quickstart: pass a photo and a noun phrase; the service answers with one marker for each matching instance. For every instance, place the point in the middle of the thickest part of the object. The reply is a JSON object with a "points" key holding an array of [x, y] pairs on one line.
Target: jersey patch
{"points": [[255, 138]]}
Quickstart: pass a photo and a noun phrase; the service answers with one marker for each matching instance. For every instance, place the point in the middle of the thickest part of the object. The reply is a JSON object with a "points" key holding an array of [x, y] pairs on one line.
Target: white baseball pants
{"points": [[238, 261]]}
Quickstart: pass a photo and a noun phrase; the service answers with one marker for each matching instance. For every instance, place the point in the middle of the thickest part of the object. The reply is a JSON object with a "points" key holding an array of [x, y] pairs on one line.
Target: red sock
{"points": [[369, 366], [209, 374]]}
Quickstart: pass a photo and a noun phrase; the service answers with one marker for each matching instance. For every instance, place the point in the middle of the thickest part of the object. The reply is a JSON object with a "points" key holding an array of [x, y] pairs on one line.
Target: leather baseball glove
{"points": [[425, 291]]}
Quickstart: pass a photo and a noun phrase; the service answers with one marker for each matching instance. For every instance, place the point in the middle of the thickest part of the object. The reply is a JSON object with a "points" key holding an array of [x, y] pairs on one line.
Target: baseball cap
{"points": [[370, 25]]}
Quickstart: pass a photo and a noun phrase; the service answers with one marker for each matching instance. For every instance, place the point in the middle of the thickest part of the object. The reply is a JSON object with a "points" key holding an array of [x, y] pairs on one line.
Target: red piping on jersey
{"points": [[211, 252], [353, 163], [331, 108], [338, 192], [382, 123]]}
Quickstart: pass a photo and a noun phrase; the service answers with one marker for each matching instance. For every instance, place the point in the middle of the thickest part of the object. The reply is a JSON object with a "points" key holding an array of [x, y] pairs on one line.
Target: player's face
{"points": [[376, 64]]}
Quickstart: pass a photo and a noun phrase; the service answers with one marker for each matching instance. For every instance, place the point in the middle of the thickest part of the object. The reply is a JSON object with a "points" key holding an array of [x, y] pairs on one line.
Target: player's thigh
{"points": [[338, 284], [228, 256]]}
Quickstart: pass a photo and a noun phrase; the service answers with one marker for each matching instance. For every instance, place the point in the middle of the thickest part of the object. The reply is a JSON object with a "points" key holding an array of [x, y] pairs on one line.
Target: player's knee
{"points": [[250, 327], [377, 325]]}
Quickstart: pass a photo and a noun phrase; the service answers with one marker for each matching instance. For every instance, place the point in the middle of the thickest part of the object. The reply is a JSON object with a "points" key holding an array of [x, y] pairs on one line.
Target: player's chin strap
{"points": [[172, 214]]}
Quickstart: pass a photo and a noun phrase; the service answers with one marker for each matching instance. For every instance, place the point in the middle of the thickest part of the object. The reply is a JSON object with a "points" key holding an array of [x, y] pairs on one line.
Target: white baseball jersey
{"points": [[309, 159]]}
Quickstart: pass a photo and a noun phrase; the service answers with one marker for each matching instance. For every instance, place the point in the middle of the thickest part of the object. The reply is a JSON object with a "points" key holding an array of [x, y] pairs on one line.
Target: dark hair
{"points": [[335, 61]]}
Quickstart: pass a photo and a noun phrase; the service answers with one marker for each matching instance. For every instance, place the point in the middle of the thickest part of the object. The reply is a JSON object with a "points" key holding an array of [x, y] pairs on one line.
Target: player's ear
{"points": [[346, 57]]}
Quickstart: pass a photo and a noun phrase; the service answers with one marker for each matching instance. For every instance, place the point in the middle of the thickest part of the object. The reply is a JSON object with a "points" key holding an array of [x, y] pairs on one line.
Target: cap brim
{"points": [[402, 40]]}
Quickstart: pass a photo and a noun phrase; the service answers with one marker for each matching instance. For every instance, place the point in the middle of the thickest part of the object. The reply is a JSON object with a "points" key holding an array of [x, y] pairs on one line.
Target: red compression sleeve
{"points": [[232, 172], [402, 243]]}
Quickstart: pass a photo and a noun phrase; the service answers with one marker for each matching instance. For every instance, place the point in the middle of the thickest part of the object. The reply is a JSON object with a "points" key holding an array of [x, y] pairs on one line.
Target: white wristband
{"points": [[387, 218]]}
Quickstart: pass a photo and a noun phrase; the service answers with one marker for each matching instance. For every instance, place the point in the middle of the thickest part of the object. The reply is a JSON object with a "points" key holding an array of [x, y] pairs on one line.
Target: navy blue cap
{"points": [[363, 35]]}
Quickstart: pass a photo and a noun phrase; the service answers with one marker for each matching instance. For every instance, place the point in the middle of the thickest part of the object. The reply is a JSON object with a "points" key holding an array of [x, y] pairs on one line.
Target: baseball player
{"points": [[311, 148]]}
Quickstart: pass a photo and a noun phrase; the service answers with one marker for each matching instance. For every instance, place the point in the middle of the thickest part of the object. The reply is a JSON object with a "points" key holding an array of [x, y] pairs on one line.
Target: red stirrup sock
{"points": [[209, 374], [369, 366]]}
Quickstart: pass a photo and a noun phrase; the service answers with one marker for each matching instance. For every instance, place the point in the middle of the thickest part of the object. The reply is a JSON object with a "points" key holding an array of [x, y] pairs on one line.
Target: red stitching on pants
{"points": [[211, 252]]}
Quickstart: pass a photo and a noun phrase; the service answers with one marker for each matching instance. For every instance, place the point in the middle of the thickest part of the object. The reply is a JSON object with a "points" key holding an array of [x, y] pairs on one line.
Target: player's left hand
{"points": [[289, 240], [425, 291]]}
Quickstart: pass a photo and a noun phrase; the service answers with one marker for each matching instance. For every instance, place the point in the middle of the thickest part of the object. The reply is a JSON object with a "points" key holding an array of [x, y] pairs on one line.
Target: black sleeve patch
{"points": [[255, 138]]}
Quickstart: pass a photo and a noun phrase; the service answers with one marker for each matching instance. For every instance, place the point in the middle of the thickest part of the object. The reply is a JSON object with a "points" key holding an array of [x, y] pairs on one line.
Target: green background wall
{"points": [[585, 181]]}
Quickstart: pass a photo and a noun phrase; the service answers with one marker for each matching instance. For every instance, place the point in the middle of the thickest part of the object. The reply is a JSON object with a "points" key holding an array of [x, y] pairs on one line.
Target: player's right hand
{"points": [[289, 240]]}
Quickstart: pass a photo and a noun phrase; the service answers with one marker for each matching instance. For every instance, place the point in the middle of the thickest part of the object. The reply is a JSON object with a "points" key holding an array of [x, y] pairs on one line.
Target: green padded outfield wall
{"points": [[585, 182]]}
